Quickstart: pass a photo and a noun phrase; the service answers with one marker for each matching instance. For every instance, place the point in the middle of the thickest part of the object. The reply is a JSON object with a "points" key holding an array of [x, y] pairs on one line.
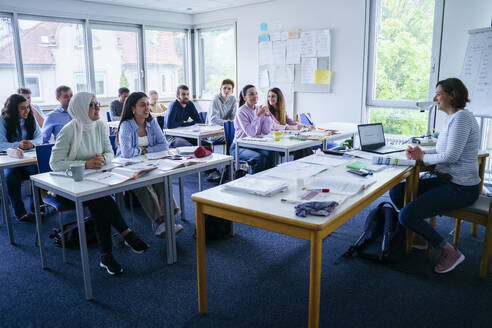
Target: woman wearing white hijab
{"points": [[85, 139]]}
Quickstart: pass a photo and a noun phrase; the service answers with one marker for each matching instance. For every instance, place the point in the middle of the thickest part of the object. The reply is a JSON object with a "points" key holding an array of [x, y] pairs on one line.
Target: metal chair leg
{"points": [[62, 234]]}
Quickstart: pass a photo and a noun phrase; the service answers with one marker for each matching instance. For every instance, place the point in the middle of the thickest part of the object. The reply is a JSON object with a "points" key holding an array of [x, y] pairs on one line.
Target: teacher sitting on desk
{"points": [[252, 121], [85, 139], [456, 183]]}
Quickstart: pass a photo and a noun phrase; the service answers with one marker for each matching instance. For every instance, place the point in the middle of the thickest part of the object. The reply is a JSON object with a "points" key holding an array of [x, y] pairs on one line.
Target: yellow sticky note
{"points": [[322, 76]]}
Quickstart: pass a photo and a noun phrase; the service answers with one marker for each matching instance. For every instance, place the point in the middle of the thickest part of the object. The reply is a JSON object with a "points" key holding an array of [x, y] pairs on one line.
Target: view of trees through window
{"points": [[404, 33]]}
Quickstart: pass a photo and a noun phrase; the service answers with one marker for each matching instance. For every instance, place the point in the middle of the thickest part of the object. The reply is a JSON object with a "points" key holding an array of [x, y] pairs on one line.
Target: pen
{"points": [[323, 170], [283, 200], [319, 190]]}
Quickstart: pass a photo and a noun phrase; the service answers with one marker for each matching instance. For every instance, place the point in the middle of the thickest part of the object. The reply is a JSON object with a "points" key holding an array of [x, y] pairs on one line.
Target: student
{"points": [[57, 119], [36, 110], [86, 139], [116, 106], [456, 183], [139, 134], [222, 109], [179, 112], [252, 121], [156, 107], [280, 120], [18, 129]]}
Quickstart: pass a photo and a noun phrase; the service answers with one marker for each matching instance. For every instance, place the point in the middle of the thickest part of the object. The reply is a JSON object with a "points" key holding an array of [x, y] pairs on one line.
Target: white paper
{"points": [[308, 67], [341, 185], [275, 36], [264, 80], [323, 43], [308, 44], [157, 155], [284, 36], [325, 160], [293, 51], [295, 170], [265, 53], [282, 74], [278, 49]]}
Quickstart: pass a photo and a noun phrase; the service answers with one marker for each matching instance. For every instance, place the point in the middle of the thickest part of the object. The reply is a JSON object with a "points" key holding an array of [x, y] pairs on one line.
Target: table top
{"points": [[271, 208], [196, 130], [85, 187], [8, 162]]}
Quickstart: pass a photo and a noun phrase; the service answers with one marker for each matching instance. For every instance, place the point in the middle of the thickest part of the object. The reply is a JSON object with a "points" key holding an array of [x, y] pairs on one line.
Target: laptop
{"points": [[371, 138]]}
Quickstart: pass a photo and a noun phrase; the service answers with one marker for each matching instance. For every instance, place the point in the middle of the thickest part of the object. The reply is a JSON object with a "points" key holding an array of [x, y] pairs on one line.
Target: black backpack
{"points": [[383, 236], [71, 233]]}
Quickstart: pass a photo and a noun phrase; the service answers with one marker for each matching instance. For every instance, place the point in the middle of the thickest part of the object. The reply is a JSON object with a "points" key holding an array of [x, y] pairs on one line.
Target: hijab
{"points": [[78, 108]]}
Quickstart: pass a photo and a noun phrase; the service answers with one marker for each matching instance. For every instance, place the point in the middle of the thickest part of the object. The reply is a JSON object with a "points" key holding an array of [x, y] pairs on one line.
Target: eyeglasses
{"points": [[94, 105]]}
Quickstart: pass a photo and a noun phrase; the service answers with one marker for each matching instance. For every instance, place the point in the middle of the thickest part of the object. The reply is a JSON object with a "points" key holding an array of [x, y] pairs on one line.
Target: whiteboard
{"points": [[477, 71]]}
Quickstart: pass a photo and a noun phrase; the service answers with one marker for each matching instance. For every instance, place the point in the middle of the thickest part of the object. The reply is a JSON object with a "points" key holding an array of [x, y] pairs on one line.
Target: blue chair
{"points": [[306, 119], [229, 132], [108, 116], [43, 154], [112, 139], [203, 116]]}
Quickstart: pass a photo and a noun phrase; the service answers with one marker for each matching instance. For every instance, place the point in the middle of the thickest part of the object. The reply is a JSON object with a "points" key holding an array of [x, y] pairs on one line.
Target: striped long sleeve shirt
{"points": [[456, 151]]}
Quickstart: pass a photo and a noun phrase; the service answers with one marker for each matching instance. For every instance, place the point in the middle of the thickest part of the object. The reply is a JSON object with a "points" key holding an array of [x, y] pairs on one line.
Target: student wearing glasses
{"points": [[252, 121], [85, 139], [139, 134], [18, 129], [455, 184]]}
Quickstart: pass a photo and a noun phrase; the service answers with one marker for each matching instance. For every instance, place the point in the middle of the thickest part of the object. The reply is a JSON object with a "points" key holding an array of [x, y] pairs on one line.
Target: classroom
{"points": [[246, 163]]}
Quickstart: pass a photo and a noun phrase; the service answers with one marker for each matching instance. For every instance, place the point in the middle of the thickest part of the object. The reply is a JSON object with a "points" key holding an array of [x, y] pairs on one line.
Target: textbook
{"points": [[186, 151], [87, 172], [262, 186], [169, 164], [122, 174], [341, 184], [158, 155], [359, 165]]}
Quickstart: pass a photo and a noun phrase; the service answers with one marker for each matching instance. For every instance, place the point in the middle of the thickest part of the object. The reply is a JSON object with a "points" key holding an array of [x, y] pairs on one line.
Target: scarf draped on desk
{"points": [[315, 208], [78, 108]]}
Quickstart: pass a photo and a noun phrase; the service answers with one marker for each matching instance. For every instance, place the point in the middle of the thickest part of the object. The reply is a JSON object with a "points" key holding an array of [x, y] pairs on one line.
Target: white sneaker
{"points": [[160, 232]]}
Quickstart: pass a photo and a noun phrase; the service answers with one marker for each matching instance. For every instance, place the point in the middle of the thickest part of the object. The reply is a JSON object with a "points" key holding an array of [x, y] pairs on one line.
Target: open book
{"points": [[262, 186], [340, 184], [122, 174], [158, 155], [169, 164], [87, 172]]}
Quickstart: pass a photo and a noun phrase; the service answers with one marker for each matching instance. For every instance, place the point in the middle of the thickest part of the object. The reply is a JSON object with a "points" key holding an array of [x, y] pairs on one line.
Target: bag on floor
{"points": [[71, 233], [216, 228], [383, 236]]}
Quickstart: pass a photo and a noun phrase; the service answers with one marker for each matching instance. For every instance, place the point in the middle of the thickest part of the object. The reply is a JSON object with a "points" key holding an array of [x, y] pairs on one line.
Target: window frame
{"points": [[38, 78], [199, 58], [372, 12]]}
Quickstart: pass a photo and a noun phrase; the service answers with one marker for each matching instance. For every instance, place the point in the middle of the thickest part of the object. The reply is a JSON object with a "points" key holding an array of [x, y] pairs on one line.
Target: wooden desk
{"points": [[270, 214]]}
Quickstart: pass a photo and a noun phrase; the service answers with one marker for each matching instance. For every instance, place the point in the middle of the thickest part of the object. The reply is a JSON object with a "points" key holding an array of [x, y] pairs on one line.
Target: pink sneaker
{"points": [[448, 260], [419, 242]]}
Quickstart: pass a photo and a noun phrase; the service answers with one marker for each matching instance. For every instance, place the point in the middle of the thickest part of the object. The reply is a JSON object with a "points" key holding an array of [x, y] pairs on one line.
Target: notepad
{"points": [[262, 186]]}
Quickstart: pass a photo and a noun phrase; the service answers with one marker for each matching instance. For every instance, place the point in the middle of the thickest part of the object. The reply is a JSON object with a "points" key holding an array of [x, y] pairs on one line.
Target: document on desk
{"points": [[257, 185], [295, 170], [341, 184], [157, 155], [326, 160]]}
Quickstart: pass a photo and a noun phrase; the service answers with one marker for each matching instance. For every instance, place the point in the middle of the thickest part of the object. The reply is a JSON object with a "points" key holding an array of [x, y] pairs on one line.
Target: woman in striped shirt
{"points": [[456, 183]]}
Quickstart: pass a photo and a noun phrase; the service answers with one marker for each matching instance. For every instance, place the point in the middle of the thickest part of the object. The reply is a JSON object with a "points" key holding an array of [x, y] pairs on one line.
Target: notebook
{"points": [[371, 138]]}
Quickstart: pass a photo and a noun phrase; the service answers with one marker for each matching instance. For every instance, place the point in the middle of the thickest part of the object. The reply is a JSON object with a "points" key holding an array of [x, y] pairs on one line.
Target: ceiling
{"points": [[180, 6]]}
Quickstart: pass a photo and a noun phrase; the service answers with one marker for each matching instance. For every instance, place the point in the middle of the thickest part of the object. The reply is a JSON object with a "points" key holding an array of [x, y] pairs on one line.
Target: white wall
{"points": [[346, 21], [80, 9]]}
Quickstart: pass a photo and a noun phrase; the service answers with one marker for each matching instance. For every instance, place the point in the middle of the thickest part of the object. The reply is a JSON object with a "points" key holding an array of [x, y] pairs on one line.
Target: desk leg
{"points": [[6, 209], [231, 172], [181, 199], [199, 143], [287, 154], [170, 233], [315, 279], [200, 260], [79, 209], [39, 225], [237, 157]]}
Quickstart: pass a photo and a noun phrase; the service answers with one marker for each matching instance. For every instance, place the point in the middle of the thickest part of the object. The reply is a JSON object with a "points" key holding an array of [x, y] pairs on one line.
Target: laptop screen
{"points": [[371, 135]]}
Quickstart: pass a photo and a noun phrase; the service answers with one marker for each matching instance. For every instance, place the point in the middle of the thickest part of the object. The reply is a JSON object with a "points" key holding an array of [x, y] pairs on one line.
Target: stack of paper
{"points": [[340, 185], [186, 151], [295, 170], [323, 159], [262, 186]]}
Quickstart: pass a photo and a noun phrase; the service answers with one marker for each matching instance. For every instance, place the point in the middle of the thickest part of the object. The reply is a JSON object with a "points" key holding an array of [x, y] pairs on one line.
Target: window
{"points": [[8, 65], [48, 52], [165, 53], [32, 82], [217, 54], [81, 83], [118, 57], [400, 61]]}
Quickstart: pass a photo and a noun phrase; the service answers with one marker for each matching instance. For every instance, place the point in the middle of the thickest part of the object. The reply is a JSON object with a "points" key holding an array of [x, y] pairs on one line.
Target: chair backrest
{"points": [[43, 154], [482, 161], [112, 139], [229, 132], [306, 119], [108, 115], [203, 116]]}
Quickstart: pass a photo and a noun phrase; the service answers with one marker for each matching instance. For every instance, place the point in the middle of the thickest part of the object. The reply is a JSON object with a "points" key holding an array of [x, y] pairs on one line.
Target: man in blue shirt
{"points": [[116, 106], [179, 113], [57, 119]]}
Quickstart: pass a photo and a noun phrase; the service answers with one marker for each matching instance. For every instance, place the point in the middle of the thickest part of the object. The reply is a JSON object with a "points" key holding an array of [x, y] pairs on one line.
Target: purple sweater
{"points": [[276, 126], [248, 124]]}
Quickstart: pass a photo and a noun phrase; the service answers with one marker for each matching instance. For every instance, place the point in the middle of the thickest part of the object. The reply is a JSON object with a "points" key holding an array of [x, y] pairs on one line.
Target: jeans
{"points": [[14, 178], [258, 159], [435, 197], [179, 142], [105, 214]]}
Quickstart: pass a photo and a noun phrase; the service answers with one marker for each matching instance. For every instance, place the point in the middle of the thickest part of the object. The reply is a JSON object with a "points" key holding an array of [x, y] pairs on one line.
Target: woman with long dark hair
{"points": [[18, 129], [85, 139], [251, 121], [139, 134]]}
